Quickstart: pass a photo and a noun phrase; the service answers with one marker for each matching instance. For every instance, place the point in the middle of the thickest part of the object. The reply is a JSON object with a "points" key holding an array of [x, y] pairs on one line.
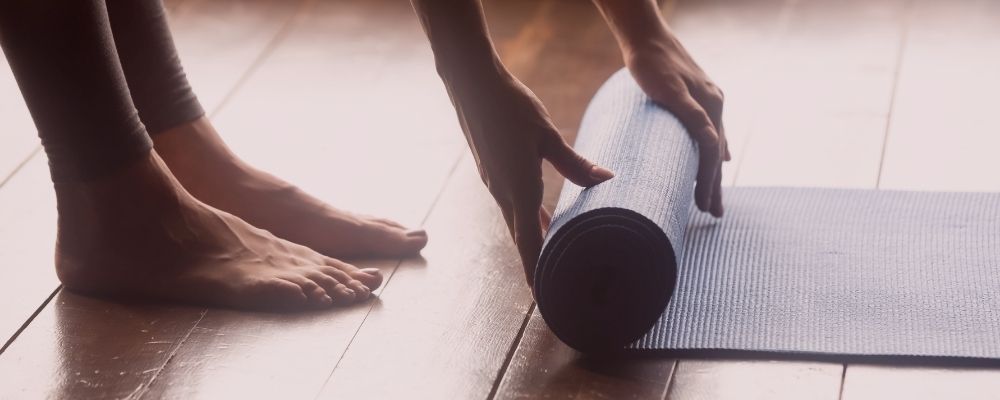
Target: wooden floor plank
{"points": [[544, 366], [445, 323], [823, 111], [947, 89], [943, 136], [916, 383], [748, 380], [819, 120], [80, 347], [27, 230], [76, 332]]}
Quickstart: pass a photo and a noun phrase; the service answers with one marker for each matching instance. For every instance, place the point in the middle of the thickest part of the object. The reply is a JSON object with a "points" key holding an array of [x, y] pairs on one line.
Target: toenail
{"points": [[416, 232], [343, 288]]}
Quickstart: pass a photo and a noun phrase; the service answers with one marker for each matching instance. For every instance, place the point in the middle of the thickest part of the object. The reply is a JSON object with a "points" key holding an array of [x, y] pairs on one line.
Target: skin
{"points": [[138, 234], [203, 163], [186, 222], [183, 223], [510, 133]]}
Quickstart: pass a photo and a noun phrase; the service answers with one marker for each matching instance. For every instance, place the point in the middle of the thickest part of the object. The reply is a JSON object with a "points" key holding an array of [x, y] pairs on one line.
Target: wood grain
{"points": [[544, 366], [347, 98], [27, 233], [77, 334], [898, 382], [942, 136], [446, 323], [304, 93], [80, 347], [764, 380]]}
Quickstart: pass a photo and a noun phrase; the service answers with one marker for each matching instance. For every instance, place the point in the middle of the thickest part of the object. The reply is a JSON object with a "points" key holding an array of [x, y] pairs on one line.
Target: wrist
{"points": [[651, 42], [473, 77]]}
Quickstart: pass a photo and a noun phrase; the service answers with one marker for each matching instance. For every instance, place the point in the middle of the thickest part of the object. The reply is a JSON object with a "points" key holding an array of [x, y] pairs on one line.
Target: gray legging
{"points": [[97, 75]]}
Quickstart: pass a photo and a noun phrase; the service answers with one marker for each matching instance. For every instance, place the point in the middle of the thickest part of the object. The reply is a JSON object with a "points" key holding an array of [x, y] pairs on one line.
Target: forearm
{"points": [[635, 24], [463, 51]]}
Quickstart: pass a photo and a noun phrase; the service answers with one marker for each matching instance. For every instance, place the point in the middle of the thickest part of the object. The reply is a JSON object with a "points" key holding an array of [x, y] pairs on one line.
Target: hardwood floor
{"points": [[853, 93]]}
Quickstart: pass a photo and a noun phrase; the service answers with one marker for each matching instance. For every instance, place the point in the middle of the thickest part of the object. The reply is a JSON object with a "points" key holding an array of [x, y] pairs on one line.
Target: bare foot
{"points": [[139, 234], [206, 167]]}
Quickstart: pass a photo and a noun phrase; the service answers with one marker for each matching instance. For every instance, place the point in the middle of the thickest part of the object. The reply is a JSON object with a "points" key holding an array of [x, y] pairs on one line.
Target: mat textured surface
{"points": [[826, 272]]}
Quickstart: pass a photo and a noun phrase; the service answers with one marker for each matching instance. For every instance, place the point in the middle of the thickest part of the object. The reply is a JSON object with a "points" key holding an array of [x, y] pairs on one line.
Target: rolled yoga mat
{"points": [[630, 263]]}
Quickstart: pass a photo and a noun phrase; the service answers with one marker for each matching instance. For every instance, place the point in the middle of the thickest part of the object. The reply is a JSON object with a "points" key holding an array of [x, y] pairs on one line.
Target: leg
{"points": [[126, 226], [199, 158]]}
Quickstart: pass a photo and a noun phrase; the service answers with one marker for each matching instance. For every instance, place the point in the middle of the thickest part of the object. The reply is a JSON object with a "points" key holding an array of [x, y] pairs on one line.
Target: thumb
{"points": [[572, 165]]}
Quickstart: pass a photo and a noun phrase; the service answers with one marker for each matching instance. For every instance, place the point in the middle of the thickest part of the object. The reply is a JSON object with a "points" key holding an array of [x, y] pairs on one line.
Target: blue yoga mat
{"points": [[812, 272]]}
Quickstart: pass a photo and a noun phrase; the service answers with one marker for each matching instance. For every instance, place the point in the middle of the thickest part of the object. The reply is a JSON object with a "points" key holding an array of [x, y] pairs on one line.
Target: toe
{"points": [[343, 295], [392, 241], [415, 240], [359, 289], [317, 296], [390, 223], [332, 285], [370, 277], [271, 294]]}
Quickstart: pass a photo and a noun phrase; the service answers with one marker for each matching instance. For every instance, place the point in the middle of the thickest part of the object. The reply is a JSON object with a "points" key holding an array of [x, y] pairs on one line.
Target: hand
{"points": [[510, 132], [668, 75]]}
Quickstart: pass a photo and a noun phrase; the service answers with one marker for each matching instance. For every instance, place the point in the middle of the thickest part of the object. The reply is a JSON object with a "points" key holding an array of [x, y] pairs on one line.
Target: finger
{"points": [[699, 126], [528, 237], [725, 147], [571, 164], [726, 156], [711, 99], [546, 218], [717, 195]]}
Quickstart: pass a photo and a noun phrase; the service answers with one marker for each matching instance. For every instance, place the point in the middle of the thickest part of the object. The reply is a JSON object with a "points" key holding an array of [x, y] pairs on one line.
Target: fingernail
{"points": [[371, 271], [327, 299], [601, 173], [416, 232]]}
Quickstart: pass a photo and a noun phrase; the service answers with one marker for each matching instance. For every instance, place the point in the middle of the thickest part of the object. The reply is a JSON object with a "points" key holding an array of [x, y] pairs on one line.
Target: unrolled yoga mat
{"points": [[631, 263]]}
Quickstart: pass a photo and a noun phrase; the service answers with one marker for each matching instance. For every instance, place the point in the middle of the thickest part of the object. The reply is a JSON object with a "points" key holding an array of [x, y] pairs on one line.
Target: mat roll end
{"points": [[604, 279]]}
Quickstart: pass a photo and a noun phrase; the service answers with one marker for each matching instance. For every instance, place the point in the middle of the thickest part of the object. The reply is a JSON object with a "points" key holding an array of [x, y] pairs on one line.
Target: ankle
{"points": [[137, 194], [193, 148]]}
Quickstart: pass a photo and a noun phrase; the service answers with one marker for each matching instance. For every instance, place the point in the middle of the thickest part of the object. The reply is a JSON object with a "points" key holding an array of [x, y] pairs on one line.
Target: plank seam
{"points": [[843, 381], [143, 389], [784, 20], [20, 165], [510, 353], [903, 40], [388, 279], [670, 380], [29, 320], [279, 37], [272, 45]]}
